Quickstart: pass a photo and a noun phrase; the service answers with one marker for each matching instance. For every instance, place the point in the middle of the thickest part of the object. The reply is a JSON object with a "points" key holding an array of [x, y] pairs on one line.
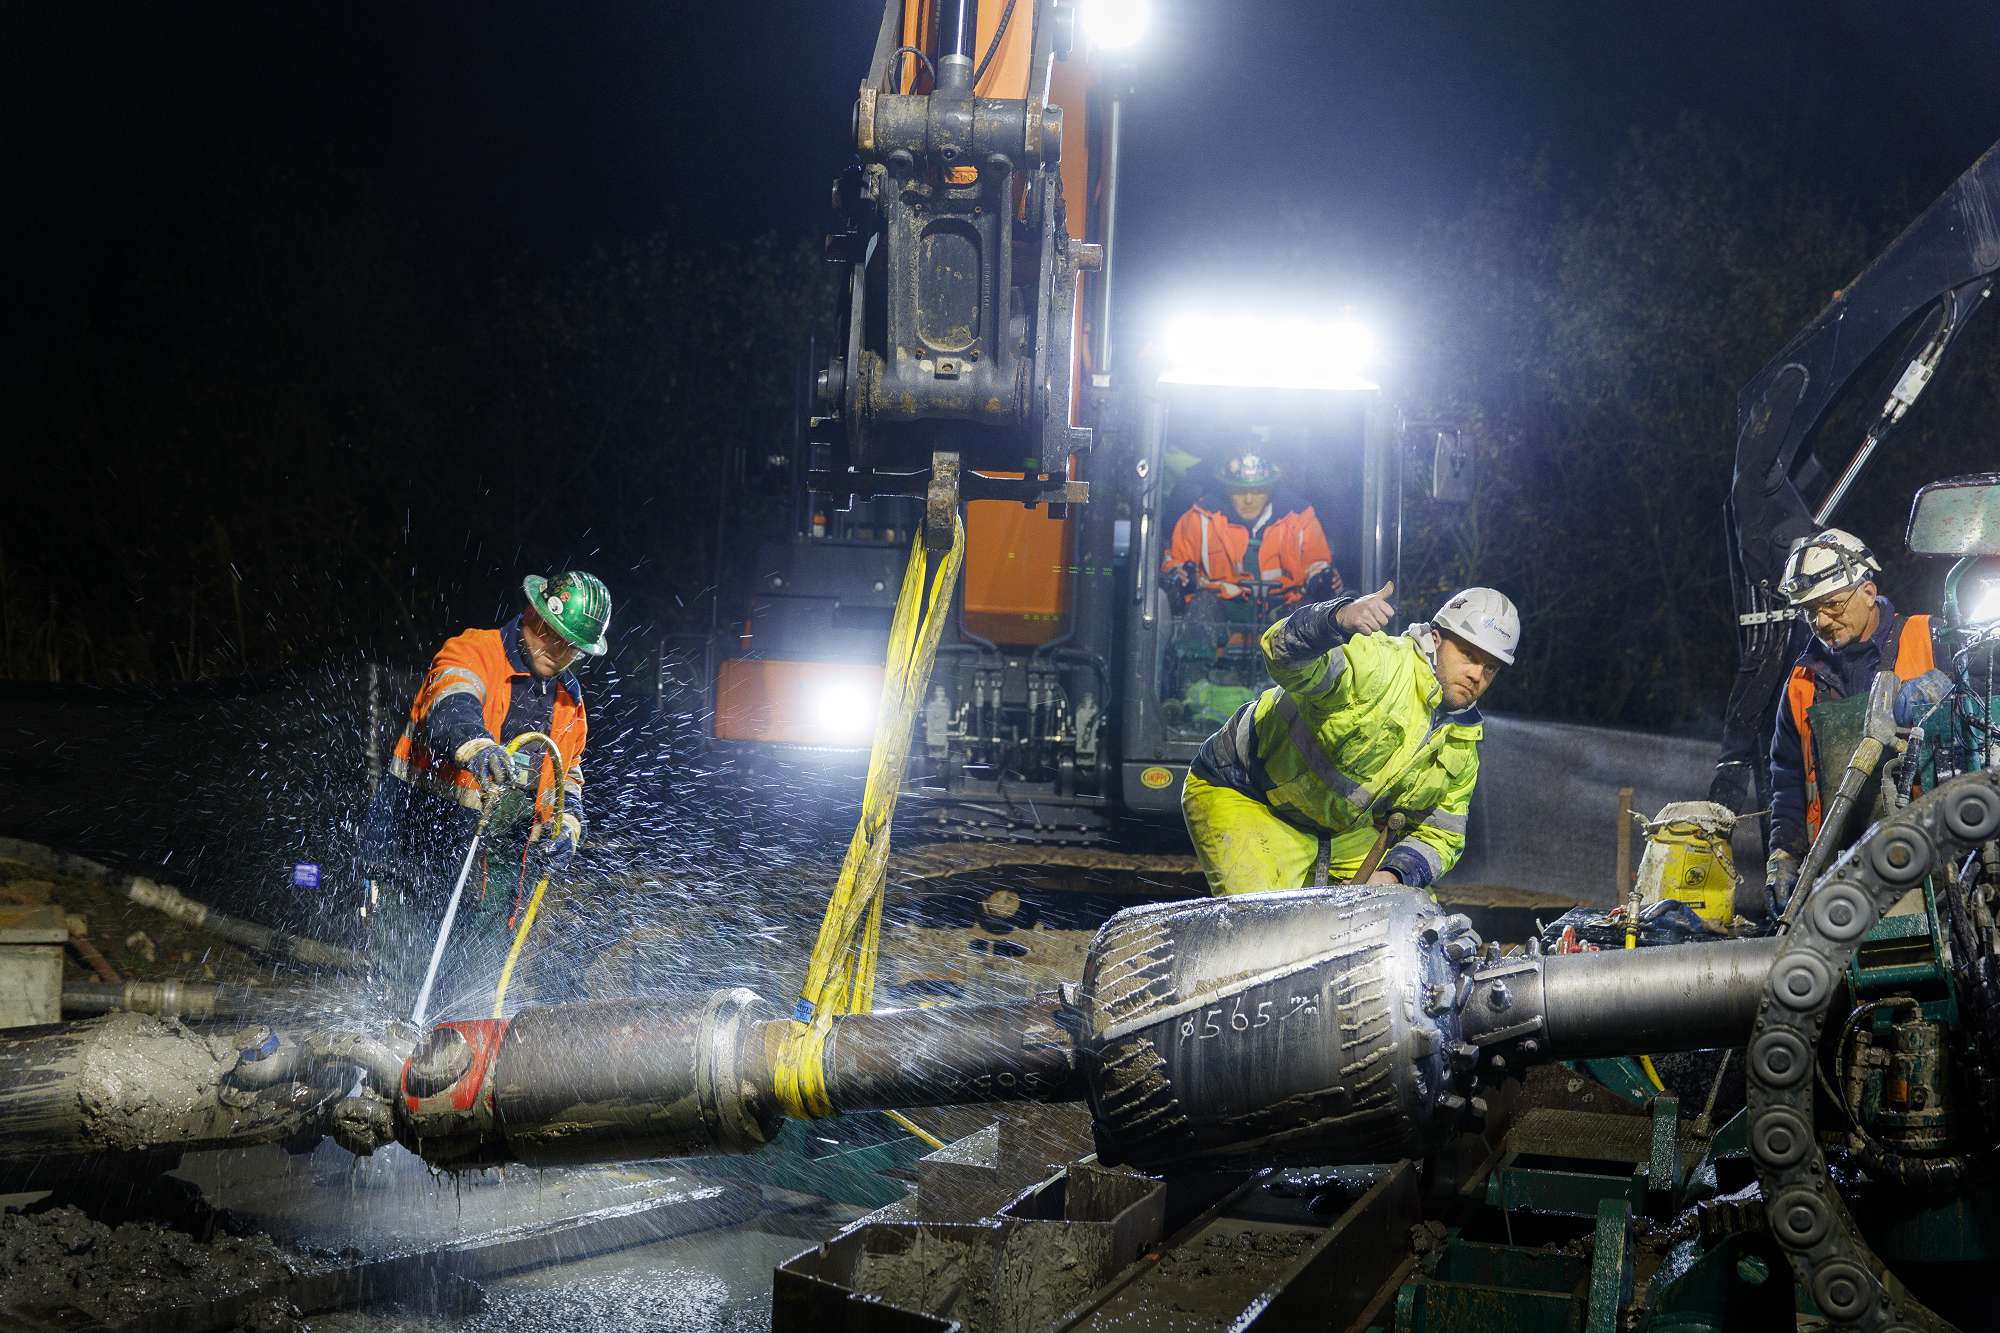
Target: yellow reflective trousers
{"points": [[1244, 847]]}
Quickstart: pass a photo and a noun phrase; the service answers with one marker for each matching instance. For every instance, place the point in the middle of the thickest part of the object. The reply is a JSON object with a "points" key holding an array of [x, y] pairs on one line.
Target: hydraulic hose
{"points": [[542, 884]]}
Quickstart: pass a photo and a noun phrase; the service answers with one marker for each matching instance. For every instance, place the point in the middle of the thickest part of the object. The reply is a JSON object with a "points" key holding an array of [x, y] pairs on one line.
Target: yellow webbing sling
{"points": [[840, 978]]}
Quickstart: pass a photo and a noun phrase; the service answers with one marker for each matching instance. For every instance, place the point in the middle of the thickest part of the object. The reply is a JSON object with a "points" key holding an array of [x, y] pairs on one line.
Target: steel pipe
{"points": [[132, 1083], [948, 1056], [635, 1079], [179, 999], [1687, 997]]}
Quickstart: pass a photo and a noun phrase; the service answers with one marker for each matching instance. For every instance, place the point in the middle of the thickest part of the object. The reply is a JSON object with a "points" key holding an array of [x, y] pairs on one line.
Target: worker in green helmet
{"points": [[484, 688]]}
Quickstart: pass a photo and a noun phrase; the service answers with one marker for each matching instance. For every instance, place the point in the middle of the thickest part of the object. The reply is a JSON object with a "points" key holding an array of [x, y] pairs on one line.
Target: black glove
{"points": [[1186, 579], [1734, 786], [488, 762], [551, 855], [1322, 584]]}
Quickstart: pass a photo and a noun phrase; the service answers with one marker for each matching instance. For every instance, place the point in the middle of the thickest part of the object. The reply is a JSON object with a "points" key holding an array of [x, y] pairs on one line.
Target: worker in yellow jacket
{"points": [[1362, 725]]}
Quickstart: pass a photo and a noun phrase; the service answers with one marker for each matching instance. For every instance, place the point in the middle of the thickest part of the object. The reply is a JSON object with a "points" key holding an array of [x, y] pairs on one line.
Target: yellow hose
{"points": [[916, 1130], [535, 899]]}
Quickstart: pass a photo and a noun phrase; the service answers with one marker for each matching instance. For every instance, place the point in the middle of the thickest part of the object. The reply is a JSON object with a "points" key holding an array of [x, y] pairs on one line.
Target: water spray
{"points": [[486, 810]]}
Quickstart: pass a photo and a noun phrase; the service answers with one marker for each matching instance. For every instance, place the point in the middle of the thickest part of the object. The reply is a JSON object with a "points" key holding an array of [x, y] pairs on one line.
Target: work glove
{"points": [[1733, 786], [1781, 880], [551, 855], [1184, 578], [1917, 697], [1322, 584], [1365, 615], [487, 760]]}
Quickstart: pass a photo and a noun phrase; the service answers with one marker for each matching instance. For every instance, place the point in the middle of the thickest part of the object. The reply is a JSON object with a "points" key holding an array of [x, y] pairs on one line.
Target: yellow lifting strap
{"points": [[542, 885], [840, 978]]}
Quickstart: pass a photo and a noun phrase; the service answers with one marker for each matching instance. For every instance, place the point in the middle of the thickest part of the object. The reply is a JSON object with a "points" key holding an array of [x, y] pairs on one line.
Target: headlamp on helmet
{"points": [[1247, 471], [1826, 563]]}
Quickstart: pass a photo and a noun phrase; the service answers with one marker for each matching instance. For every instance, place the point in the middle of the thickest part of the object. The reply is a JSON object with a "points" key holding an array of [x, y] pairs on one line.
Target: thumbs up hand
{"points": [[1365, 615]]}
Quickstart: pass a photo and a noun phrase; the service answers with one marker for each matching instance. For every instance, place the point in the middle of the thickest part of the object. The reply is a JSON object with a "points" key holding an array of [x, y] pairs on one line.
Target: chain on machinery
{"points": [[1808, 1217]]}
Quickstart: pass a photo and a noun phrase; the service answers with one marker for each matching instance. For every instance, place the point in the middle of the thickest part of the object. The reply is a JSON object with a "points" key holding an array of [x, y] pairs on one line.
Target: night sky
{"points": [[499, 131]]}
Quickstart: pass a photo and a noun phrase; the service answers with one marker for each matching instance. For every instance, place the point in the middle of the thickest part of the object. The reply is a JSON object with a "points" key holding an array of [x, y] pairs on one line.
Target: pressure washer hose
{"points": [[541, 885], [458, 890]]}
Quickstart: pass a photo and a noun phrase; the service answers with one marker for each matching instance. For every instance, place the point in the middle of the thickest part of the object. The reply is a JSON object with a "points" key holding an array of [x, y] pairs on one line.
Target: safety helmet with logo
{"points": [[1484, 618], [1828, 562], [576, 605], [1247, 470]]}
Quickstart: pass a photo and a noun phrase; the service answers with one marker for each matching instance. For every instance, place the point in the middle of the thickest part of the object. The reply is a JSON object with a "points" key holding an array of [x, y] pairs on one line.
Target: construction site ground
{"points": [[266, 1239]]}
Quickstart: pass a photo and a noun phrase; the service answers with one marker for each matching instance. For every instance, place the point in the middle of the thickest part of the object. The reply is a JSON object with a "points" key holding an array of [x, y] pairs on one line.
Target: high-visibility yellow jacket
{"points": [[1353, 734]]}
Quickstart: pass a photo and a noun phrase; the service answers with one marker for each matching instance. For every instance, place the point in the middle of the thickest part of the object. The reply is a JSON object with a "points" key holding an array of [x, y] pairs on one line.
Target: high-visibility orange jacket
{"points": [[475, 667], [1291, 550], [1821, 674]]}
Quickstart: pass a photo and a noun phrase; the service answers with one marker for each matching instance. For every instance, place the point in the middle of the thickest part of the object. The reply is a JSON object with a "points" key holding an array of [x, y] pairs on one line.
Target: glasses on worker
{"points": [[1832, 605]]}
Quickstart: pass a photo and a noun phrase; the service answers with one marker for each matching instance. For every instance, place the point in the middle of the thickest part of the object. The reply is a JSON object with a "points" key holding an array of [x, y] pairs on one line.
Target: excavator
{"points": [[972, 344]]}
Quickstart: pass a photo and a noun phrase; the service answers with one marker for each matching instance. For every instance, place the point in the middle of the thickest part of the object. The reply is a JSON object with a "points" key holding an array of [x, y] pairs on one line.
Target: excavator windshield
{"points": [[1241, 549]]}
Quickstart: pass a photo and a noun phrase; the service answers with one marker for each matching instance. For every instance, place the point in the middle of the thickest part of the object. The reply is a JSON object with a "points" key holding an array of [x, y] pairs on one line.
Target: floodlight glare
{"points": [[1115, 24], [1277, 352], [843, 710]]}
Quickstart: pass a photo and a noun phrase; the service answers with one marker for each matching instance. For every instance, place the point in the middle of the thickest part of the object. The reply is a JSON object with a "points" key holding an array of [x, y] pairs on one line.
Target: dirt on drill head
{"points": [[147, 1078], [59, 1265], [141, 944]]}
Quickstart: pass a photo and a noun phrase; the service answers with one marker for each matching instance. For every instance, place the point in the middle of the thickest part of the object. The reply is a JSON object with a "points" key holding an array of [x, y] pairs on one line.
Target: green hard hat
{"points": [[576, 605], [1247, 471]]}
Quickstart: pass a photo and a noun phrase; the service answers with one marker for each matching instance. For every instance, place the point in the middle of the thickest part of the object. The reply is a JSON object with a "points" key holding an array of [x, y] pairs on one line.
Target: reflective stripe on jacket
{"points": [[475, 663], [1913, 659], [1293, 547], [1348, 737]]}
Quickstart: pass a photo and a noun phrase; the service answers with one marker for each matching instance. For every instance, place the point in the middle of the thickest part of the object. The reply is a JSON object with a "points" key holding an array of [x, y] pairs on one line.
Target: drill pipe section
{"points": [[1687, 997], [132, 1083], [626, 1080], [612, 1080], [950, 1056], [1324, 1026], [180, 999]]}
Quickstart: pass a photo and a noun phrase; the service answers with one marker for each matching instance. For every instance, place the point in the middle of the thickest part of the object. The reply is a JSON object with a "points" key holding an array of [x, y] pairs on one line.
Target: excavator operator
{"points": [[1234, 565], [1252, 544]]}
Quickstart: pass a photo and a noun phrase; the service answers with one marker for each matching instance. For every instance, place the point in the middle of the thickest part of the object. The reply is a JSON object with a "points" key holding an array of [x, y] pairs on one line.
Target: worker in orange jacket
{"points": [[485, 687], [1856, 632], [1224, 549]]}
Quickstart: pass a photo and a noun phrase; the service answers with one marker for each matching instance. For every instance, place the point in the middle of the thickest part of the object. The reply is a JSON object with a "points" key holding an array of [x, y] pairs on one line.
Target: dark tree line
{"points": [[1595, 342], [297, 439], [291, 431]]}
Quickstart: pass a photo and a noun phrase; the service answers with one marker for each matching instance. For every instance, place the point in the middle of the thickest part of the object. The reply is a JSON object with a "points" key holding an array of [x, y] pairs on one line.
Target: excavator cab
{"points": [[1304, 541], [1191, 661]]}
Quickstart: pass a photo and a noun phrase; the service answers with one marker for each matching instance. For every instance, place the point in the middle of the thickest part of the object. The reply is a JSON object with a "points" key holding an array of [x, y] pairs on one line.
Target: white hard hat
{"points": [[1483, 618], [1828, 562]]}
